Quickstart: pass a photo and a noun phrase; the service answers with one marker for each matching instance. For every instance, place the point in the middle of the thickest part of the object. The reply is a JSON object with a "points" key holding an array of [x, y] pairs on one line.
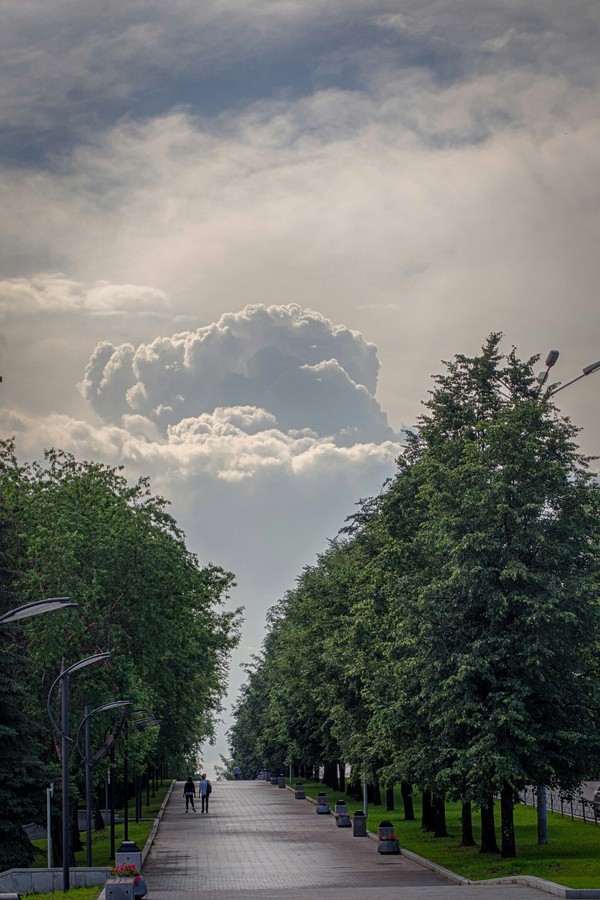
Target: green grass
{"points": [[101, 846], [571, 857], [88, 893]]}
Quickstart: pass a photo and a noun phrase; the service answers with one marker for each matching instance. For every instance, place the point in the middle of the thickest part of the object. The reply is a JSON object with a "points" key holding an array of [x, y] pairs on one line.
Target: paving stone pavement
{"points": [[257, 841]]}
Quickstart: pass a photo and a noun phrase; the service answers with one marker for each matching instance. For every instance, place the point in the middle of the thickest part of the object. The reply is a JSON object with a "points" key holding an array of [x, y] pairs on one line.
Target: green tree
{"points": [[508, 610], [83, 531]]}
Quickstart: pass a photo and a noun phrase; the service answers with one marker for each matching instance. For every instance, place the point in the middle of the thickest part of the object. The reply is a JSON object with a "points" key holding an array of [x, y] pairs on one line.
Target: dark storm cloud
{"points": [[73, 67]]}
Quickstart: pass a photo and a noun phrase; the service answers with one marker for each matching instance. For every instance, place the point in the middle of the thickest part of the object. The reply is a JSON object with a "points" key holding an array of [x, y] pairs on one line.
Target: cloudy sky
{"points": [[239, 236]]}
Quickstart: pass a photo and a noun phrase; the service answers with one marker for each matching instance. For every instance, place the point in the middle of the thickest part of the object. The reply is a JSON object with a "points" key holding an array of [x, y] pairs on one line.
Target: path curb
{"points": [[532, 881], [148, 845]]}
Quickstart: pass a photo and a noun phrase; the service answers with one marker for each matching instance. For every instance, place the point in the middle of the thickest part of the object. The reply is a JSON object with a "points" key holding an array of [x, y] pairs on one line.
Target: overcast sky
{"points": [[237, 237]]}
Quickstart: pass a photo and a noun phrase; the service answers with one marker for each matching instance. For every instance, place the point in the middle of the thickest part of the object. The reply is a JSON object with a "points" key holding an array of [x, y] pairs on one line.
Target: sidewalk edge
{"points": [[151, 836]]}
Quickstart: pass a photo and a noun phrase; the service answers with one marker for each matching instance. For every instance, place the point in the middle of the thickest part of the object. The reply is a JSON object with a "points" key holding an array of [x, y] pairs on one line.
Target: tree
{"points": [[82, 530], [508, 610], [21, 771]]}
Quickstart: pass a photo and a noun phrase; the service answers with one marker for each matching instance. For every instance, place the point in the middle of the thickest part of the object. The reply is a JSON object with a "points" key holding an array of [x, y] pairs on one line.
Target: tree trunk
{"points": [[376, 795], [488, 828], [57, 836], [427, 814], [509, 847], [439, 808], [76, 844], [330, 776], [389, 799], [342, 771], [97, 815], [407, 800], [542, 813], [466, 819], [354, 790]]}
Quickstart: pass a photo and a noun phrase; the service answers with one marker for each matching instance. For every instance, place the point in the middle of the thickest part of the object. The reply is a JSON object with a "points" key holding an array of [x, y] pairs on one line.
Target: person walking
{"points": [[189, 792], [204, 789]]}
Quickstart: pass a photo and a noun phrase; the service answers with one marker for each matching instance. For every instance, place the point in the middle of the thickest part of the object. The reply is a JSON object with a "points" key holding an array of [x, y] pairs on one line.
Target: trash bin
{"points": [[342, 819], [323, 805], [387, 842], [281, 781], [274, 779], [299, 791], [359, 824]]}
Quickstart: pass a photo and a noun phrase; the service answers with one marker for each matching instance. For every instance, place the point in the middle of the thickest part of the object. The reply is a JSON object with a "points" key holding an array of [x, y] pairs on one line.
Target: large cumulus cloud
{"points": [[305, 372]]}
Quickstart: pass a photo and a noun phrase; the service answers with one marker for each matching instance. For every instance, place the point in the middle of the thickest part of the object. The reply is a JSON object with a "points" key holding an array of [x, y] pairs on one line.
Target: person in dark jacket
{"points": [[204, 789], [189, 792]]}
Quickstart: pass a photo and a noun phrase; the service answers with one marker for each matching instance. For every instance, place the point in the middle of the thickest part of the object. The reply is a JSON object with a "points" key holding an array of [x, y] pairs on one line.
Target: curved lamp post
{"points": [[63, 732], [35, 608], [139, 725], [25, 612], [86, 723]]}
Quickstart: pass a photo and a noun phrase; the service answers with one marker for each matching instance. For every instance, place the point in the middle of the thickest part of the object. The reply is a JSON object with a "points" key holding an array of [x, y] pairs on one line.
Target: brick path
{"points": [[257, 841]]}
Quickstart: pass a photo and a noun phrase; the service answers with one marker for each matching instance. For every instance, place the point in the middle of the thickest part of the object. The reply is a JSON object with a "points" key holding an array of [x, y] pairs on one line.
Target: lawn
{"points": [[101, 846], [571, 857]]}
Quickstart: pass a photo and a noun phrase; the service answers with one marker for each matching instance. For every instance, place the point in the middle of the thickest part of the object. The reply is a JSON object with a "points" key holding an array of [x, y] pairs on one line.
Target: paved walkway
{"points": [[257, 841]]}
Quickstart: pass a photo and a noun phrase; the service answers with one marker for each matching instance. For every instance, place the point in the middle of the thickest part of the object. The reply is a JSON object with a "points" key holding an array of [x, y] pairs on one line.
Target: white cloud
{"points": [[294, 363], [424, 175], [52, 293]]}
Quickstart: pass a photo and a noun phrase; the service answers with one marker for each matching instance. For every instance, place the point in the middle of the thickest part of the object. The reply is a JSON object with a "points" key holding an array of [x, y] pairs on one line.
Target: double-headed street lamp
{"points": [[86, 723], [63, 732], [549, 363]]}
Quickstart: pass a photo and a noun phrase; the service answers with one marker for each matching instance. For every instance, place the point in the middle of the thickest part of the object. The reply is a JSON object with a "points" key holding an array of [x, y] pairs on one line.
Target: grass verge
{"points": [[571, 857], [138, 832]]}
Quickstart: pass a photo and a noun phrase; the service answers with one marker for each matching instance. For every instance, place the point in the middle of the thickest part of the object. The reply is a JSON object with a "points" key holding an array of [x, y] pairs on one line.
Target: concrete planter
{"points": [[120, 889]]}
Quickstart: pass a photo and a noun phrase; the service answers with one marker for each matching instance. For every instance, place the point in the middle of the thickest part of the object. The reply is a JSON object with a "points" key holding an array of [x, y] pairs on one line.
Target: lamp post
{"points": [[63, 732], [86, 723], [552, 357], [139, 725], [551, 360], [35, 608]]}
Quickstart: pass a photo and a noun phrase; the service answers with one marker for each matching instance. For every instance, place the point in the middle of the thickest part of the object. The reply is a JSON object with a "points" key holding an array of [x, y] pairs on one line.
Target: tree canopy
{"points": [[448, 636], [79, 529]]}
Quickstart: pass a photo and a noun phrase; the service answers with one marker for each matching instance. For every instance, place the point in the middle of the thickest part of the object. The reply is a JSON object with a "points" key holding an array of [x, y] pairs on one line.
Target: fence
{"points": [[565, 804]]}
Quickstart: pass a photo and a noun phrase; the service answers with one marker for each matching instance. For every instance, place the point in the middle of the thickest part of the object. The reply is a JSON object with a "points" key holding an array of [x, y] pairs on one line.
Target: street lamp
{"points": [[86, 722], [549, 362], [139, 725], [542, 811], [35, 608], [26, 611], [587, 370], [63, 732]]}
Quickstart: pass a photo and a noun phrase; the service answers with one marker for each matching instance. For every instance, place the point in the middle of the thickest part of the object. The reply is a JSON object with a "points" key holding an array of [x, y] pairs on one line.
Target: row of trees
{"points": [[79, 529], [448, 637]]}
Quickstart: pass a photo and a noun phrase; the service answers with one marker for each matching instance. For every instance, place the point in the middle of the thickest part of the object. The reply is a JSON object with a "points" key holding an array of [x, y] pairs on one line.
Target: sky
{"points": [[238, 237]]}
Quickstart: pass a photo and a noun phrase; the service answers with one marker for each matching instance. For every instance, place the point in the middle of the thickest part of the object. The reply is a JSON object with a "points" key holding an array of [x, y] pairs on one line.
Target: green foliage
{"points": [[448, 636], [79, 529]]}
